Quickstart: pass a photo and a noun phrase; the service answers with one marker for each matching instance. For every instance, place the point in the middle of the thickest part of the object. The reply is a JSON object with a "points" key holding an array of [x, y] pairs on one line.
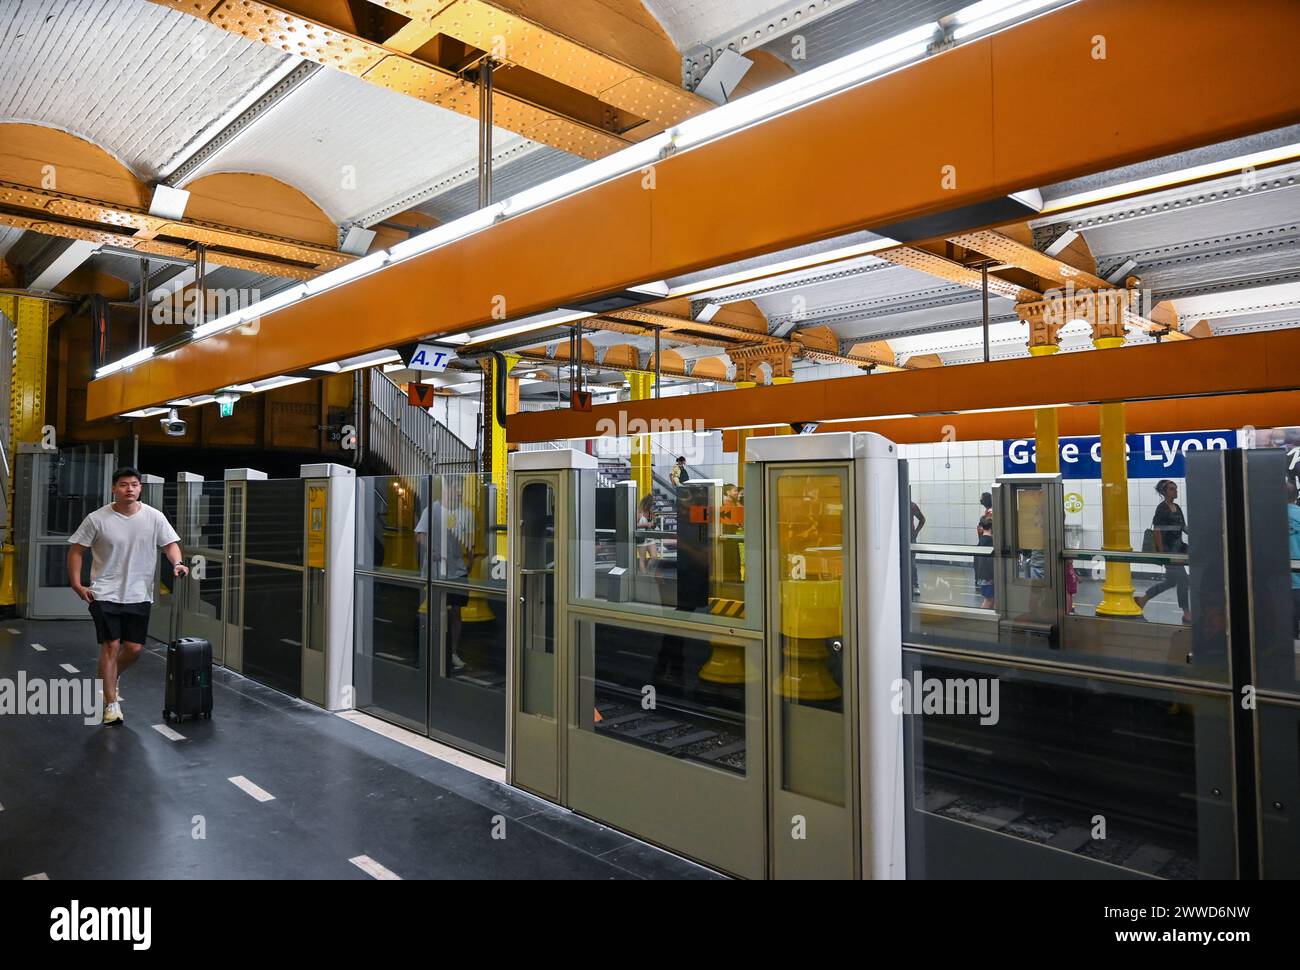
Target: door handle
{"points": [[837, 645]]}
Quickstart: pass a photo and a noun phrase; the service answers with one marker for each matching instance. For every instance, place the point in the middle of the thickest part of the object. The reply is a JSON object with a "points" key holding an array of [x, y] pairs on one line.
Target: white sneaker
{"points": [[113, 714], [456, 663]]}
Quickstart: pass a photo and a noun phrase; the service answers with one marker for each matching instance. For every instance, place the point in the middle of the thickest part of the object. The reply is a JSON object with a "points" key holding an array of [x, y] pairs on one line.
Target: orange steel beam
{"points": [[674, 229], [1247, 363], [1215, 413]]}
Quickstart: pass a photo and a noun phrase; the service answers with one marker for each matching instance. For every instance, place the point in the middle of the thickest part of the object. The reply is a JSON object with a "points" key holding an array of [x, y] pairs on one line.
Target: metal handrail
{"points": [[939, 547], [408, 440], [1122, 555]]}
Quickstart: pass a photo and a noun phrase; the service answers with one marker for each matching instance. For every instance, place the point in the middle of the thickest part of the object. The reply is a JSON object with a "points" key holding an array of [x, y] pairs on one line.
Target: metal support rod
{"points": [[485, 133], [200, 280], [657, 361], [144, 303], [577, 352], [984, 299]]}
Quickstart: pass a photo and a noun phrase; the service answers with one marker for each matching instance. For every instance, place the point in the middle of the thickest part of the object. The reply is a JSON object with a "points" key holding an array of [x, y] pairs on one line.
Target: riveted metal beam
{"points": [[74, 217], [554, 90]]}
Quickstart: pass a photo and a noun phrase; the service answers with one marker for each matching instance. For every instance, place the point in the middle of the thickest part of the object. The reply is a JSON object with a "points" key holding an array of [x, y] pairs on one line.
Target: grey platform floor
{"points": [[82, 801]]}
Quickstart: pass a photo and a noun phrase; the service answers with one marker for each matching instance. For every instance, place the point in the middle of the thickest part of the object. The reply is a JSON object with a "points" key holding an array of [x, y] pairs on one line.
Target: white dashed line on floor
{"points": [[372, 868], [39, 875], [16, 633], [70, 669], [37, 646], [261, 794], [167, 732]]}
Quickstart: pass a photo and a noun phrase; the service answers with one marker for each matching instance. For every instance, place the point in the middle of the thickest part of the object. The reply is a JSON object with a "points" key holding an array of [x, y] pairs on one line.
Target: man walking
{"points": [[123, 537]]}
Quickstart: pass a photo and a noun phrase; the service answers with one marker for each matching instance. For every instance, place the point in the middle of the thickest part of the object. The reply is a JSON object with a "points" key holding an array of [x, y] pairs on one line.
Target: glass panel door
{"points": [[1272, 519], [274, 583], [811, 664]]}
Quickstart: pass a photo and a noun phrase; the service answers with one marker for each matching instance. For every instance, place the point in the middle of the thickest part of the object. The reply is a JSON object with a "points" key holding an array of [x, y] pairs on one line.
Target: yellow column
{"points": [[1117, 589], [31, 321], [1047, 436], [742, 438], [784, 429], [500, 452], [640, 384]]}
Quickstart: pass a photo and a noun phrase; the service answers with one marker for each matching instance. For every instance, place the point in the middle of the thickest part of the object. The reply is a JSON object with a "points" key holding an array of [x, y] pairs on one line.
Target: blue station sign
{"points": [[1149, 455]]}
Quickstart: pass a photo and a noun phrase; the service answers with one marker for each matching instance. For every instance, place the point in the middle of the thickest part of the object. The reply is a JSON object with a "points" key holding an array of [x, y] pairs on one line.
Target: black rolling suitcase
{"points": [[188, 692]]}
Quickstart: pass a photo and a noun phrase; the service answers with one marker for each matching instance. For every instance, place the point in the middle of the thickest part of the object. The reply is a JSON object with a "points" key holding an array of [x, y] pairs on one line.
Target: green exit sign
{"points": [[227, 408]]}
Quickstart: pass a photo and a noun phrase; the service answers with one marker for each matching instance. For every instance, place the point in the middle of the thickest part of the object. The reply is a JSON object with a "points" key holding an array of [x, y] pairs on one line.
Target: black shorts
{"points": [[121, 621]]}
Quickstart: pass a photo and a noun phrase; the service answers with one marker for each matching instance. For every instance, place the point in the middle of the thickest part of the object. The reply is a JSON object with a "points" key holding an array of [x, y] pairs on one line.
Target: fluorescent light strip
{"points": [[979, 17], [794, 92], [145, 413], [842, 73], [1195, 173], [782, 268], [271, 383], [354, 363], [347, 272], [128, 361], [539, 321]]}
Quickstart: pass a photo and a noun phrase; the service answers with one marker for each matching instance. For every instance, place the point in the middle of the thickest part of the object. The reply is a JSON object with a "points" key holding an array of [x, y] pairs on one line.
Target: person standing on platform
{"points": [[123, 538], [679, 474], [984, 564], [917, 523], [1293, 531], [1167, 527]]}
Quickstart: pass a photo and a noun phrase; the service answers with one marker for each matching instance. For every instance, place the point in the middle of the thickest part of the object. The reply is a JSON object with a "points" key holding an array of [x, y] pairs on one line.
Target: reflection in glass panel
{"points": [[537, 598], [645, 688], [810, 574], [464, 511], [675, 548], [389, 509], [273, 627], [1279, 789], [390, 650], [201, 523], [1043, 758], [474, 631], [1039, 597], [54, 566], [275, 530], [71, 483]]}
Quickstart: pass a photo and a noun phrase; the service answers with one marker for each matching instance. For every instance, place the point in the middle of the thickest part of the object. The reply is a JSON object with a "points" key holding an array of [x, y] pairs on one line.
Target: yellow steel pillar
{"points": [[30, 320], [1117, 589], [742, 439], [640, 384], [1047, 435], [500, 451], [785, 428]]}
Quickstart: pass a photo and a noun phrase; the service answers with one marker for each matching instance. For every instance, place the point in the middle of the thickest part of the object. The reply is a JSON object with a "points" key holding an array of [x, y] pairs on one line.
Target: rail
{"points": [[408, 440]]}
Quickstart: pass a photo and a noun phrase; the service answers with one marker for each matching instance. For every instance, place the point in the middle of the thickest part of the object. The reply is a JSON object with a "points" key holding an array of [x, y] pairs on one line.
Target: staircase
{"points": [[401, 439]]}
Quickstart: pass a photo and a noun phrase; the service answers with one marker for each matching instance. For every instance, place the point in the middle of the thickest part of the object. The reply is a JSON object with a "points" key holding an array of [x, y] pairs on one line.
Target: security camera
{"points": [[172, 424]]}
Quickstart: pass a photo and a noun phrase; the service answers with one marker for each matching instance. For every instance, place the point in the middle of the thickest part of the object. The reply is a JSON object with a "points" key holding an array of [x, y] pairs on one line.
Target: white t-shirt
{"points": [[448, 562], [124, 551]]}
